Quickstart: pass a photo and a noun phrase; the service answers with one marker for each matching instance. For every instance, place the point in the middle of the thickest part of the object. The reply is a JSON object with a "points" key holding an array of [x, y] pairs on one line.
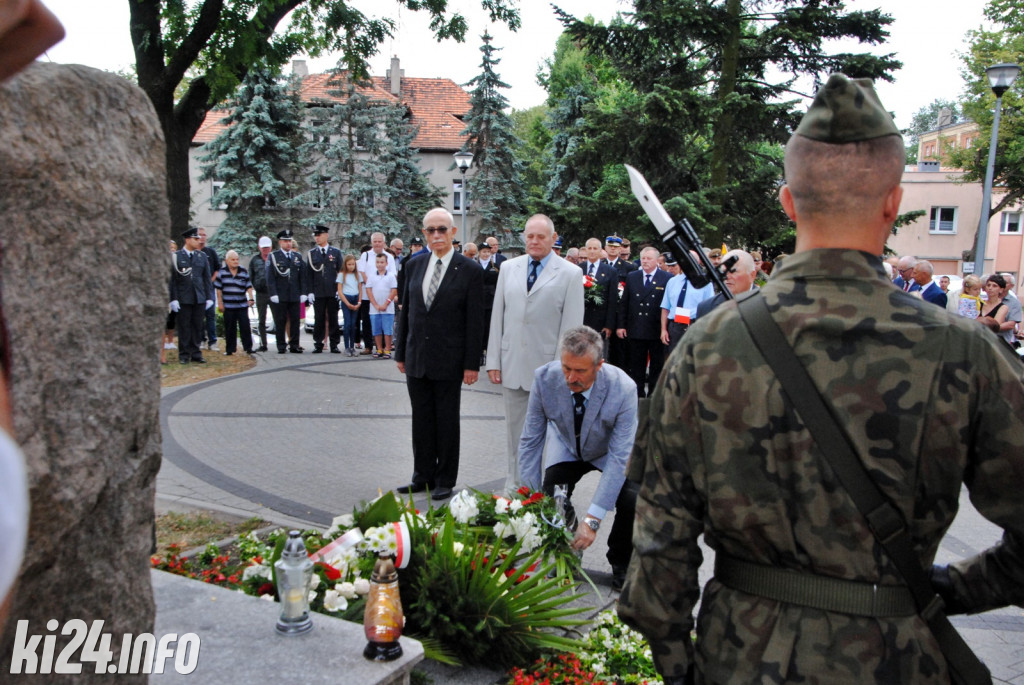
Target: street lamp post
{"points": [[1000, 78], [462, 160]]}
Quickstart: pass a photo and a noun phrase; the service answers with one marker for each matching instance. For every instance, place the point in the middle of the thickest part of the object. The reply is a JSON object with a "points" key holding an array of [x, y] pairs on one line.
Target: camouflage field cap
{"points": [[846, 110]]}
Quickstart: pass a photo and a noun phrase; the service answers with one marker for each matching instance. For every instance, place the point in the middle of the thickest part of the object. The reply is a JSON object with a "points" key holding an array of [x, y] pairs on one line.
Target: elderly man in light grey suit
{"points": [[538, 297], [589, 409]]}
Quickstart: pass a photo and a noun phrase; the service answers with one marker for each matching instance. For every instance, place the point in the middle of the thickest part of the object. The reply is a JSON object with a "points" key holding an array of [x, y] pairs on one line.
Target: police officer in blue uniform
{"points": [[322, 266], [286, 283]]}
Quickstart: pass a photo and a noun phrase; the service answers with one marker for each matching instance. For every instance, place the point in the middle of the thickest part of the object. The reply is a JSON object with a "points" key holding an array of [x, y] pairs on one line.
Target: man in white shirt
{"points": [[365, 265]]}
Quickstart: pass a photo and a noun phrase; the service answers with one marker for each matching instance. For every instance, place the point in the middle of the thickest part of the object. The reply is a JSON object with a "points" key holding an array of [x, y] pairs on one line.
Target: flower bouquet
{"points": [[592, 291], [482, 580]]}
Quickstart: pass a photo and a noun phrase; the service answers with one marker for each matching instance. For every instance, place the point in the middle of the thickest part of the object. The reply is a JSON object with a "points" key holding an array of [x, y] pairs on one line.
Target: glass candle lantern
{"points": [[294, 572]]}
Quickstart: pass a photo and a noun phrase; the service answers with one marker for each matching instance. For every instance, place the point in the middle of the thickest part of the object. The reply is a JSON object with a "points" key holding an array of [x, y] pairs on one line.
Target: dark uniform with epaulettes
{"points": [[286, 281], [191, 286], [640, 314], [322, 267]]}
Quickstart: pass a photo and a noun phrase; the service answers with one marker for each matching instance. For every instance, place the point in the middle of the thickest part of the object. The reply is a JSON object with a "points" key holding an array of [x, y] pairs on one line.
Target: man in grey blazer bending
{"points": [[589, 408], [538, 297]]}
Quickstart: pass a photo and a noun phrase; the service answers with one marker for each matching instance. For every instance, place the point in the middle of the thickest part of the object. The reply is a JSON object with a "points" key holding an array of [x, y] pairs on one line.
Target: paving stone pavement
{"points": [[302, 438]]}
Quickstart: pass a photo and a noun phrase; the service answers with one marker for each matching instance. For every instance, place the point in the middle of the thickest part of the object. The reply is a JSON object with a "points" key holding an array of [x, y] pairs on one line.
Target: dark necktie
{"points": [[323, 251], [579, 409], [534, 265], [591, 270], [647, 284], [435, 281]]}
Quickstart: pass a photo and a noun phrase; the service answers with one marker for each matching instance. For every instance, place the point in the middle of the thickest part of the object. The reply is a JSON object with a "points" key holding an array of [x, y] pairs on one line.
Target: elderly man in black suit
{"points": [[639, 321], [438, 351], [190, 290], [600, 317]]}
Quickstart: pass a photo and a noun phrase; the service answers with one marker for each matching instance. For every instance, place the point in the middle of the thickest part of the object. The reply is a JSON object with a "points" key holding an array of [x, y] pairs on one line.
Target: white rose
{"points": [[515, 506], [362, 586], [335, 601], [501, 506], [256, 571], [346, 590]]}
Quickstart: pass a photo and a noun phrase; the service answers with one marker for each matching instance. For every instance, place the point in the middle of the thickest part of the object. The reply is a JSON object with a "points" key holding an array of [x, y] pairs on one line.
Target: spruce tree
{"points": [[339, 160], [404, 195], [497, 189], [256, 158]]}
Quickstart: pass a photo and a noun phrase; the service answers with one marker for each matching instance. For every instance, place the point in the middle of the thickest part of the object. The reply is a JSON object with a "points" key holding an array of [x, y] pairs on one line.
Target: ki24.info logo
{"points": [[142, 653]]}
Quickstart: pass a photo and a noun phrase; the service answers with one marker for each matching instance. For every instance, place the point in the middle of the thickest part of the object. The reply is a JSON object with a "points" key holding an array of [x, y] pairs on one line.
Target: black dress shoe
{"points": [[618, 577], [411, 487], [441, 493], [281, 350], [263, 348], [199, 361], [297, 350], [335, 350], [318, 350]]}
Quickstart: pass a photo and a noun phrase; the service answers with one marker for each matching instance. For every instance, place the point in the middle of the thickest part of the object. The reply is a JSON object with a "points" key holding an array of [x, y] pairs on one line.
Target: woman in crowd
{"points": [[350, 292], [993, 314], [234, 297], [966, 301]]}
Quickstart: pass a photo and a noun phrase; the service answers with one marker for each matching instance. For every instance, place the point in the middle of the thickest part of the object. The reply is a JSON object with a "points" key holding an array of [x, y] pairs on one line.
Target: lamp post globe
{"points": [[463, 160]]}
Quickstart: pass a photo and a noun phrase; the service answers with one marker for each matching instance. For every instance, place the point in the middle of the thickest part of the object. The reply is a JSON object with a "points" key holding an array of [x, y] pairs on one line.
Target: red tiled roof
{"points": [[435, 105], [211, 127]]}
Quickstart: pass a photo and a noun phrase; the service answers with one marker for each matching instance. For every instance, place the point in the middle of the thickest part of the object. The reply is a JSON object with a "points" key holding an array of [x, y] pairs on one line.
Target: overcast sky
{"points": [[926, 36]]}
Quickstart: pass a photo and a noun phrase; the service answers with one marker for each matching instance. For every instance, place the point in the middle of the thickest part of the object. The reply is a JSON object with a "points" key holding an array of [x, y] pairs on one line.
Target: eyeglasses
{"points": [[433, 230]]}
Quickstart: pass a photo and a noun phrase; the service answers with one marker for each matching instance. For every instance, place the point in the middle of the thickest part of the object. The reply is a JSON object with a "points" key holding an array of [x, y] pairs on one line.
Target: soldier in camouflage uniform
{"points": [[928, 402]]}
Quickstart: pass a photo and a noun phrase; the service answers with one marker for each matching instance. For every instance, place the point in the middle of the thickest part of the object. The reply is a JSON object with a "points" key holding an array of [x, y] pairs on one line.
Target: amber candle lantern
{"points": [[383, 619]]}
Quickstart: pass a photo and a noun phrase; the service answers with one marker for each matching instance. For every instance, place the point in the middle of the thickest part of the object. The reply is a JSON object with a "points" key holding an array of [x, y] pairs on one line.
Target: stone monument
{"points": [[83, 232]]}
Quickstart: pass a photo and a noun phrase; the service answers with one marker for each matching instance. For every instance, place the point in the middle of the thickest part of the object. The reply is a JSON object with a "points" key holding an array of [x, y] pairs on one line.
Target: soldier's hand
{"points": [[607, 332], [275, 299], [310, 298], [175, 306], [621, 332]]}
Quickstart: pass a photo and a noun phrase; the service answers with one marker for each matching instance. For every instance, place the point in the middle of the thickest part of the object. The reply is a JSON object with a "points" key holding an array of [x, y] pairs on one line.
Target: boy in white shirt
{"points": [[382, 289]]}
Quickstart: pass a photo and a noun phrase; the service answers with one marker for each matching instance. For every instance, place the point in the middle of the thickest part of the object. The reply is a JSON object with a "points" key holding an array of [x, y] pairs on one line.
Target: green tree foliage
{"points": [[256, 157], [927, 119], [1003, 44], [217, 42], [496, 190], [535, 136], [710, 97]]}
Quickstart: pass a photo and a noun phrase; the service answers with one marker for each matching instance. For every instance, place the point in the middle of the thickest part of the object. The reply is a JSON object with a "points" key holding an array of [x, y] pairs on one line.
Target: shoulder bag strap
{"points": [[884, 519]]}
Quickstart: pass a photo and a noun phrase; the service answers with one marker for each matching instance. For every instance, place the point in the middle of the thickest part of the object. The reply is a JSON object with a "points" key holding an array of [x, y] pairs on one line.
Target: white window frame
{"points": [[1004, 223], [457, 194], [939, 230], [214, 187]]}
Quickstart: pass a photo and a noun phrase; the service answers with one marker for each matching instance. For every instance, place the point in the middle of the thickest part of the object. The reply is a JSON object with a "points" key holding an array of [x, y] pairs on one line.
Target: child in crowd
{"points": [[382, 289], [350, 292]]}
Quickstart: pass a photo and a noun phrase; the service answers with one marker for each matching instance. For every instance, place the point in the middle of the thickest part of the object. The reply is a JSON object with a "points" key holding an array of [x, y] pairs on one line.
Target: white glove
{"points": [[275, 299], [209, 303], [309, 298], [302, 299], [175, 306]]}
